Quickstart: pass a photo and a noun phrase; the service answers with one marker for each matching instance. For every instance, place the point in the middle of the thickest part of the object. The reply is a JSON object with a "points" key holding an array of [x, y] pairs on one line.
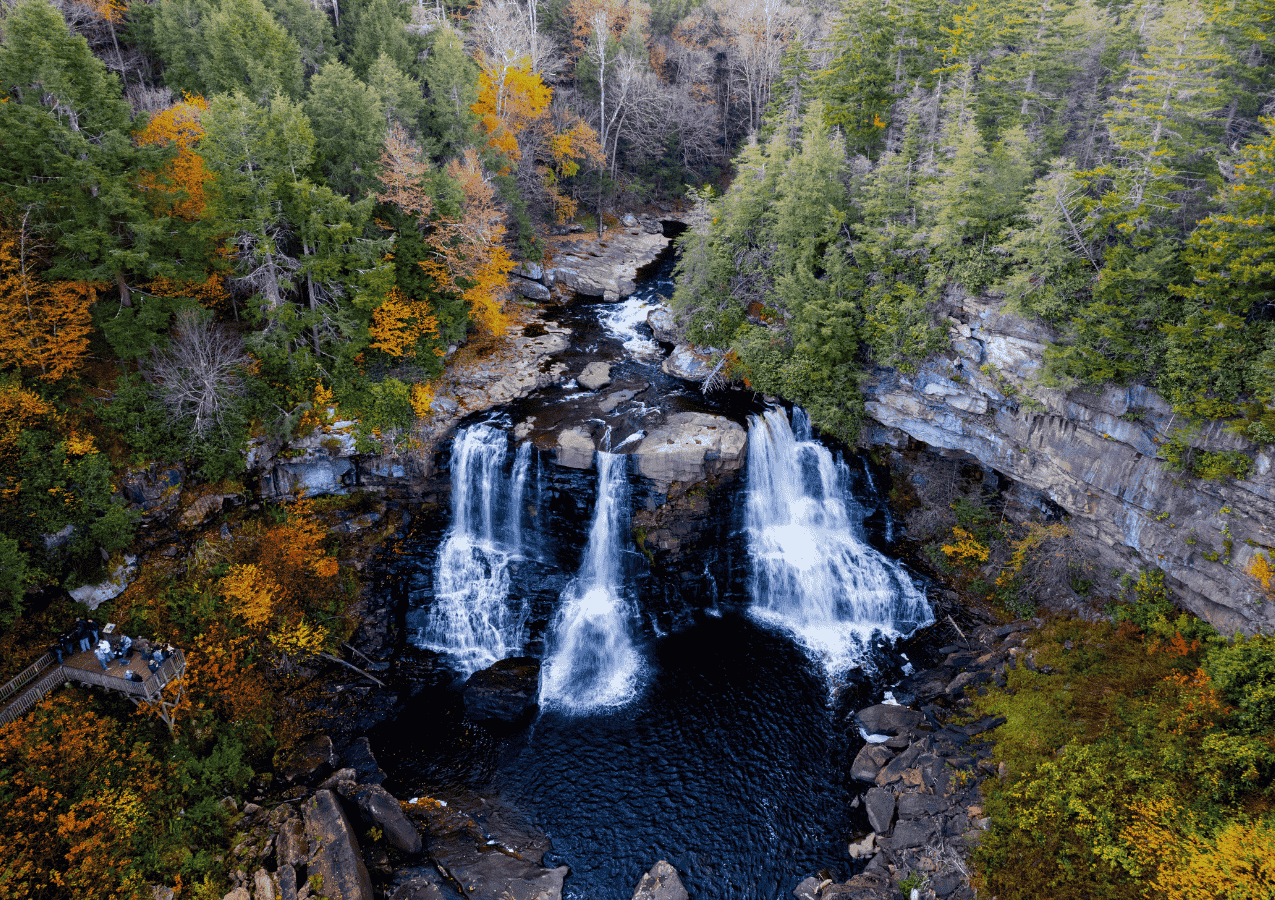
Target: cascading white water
{"points": [[472, 619], [591, 661], [812, 572]]}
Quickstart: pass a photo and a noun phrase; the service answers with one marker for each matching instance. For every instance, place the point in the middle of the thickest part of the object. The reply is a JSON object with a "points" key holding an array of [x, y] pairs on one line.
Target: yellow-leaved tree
{"points": [[44, 326]]}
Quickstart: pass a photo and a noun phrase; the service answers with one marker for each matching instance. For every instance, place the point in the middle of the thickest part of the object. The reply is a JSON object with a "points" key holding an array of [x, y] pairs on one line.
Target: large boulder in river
{"points": [[336, 850], [689, 363], [661, 883], [575, 448], [663, 324], [595, 375], [504, 692], [690, 447], [378, 807], [889, 718]]}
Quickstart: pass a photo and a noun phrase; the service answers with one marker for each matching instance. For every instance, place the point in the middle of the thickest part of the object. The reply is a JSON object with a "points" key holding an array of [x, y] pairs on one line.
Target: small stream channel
{"points": [[694, 712]]}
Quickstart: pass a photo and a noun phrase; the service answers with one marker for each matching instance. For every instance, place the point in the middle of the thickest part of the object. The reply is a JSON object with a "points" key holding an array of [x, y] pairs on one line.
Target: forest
{"points": [[223, 220]]}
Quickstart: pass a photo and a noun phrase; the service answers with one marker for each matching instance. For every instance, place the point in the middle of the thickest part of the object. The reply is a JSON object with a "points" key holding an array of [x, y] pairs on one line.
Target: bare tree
{"points": [[506, 34], [199, 377]]}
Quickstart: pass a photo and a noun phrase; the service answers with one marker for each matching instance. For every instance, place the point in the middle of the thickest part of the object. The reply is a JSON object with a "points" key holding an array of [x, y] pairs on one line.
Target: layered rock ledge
{"points": [[1098, 456]]}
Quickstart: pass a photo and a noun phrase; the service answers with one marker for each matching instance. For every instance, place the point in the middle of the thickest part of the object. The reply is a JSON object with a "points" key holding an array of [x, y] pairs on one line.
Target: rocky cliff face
{"points": [[1097, 456]]}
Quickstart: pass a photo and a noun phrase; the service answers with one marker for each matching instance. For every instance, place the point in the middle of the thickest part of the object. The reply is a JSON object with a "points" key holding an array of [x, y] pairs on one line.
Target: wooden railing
{"points": [[33, 694], [38, 679], [28, 675], [148, 688]]}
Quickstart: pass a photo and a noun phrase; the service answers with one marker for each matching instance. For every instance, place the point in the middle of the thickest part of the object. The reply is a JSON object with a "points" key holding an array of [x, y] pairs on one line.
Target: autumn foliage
{"points": [[179, 189], [78, 802], [44, 326]]}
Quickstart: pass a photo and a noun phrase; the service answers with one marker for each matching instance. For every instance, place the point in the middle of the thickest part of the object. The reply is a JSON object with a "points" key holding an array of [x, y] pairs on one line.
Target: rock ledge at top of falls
{"points": [[326, 461], [690, 447], [605, 267], [1095, 455]]}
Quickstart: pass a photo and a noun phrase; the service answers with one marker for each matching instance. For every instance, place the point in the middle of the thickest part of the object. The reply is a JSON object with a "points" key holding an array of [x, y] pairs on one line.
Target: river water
{"points": [[696, 713]]}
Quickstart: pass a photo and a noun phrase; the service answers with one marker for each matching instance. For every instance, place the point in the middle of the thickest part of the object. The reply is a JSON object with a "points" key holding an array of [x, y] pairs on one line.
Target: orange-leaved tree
{"points": [[78, 804], [472, 247], [44, 326], [286, 582], [178, 190], [514, 112]]}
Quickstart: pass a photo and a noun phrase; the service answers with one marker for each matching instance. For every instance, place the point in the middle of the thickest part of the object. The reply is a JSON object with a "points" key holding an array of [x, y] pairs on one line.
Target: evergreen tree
{"points": [[349, 124]]}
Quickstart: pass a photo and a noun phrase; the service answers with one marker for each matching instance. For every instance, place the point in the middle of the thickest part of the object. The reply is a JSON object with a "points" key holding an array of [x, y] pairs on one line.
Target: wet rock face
{"points": [[661, 883], [1097, 456], [504, 692]]}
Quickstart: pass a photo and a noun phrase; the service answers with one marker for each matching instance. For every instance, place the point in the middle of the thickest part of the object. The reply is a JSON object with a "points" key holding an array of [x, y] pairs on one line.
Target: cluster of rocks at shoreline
{"points": [[924, 805]]}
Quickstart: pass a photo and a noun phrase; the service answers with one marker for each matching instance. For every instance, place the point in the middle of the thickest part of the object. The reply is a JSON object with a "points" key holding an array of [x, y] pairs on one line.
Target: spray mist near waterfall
{"points": [[812, 572]]}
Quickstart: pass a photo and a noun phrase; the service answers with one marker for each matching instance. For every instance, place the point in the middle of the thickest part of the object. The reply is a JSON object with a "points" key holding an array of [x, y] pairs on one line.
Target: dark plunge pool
{"points": [[721, 740]]}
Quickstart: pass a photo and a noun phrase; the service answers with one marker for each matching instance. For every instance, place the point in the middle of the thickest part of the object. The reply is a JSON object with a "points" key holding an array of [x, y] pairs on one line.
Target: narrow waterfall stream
{"points": [[693, 709], [591, 661]]}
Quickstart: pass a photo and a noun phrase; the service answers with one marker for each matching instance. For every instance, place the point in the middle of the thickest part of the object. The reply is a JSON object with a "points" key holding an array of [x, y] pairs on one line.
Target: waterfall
{"points": [[812, 572], [591, 661], [472, 618]]}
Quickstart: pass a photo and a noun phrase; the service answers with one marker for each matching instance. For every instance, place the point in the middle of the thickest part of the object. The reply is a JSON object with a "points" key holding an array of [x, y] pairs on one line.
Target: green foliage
{"points": [[1243, 672], [132, 331], [348, 121]]}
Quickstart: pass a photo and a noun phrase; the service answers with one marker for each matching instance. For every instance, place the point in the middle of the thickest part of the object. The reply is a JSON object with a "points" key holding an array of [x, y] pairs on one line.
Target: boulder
{"points": [[378, 807], [361, 759], [336, 856], [417, 883], [575, 448], [595, 375], [205, 508], [292, 847], [869, 762], [287, 877], [94, 595], [887, 718], [309, 761], [155, 487], [880, 805], [611, 401], [504, 692], [690, 447], [689, 363], [629, 220], [262, 886], [865, 847], [663, 324], [239, 893], [661, 883], [532, 290]]}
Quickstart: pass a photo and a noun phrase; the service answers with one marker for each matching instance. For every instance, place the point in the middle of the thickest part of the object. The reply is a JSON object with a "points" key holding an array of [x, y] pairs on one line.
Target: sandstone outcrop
{"points": [[1098, 456], [606, 268], [689, 447], [661, 883]]}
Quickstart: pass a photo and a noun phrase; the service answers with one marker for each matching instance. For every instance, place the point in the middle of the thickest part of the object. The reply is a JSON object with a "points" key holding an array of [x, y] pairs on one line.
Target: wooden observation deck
{"points": [[45, 674]]}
